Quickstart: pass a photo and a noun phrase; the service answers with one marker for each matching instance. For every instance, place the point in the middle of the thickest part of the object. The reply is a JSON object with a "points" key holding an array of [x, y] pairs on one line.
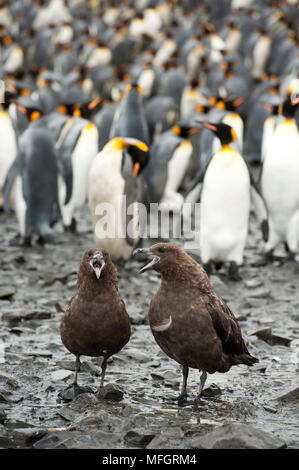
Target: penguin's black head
{"points": [[184, 131], [66, 108], [225, 133], [134, 86], [8, 98], [140, 156], [138, 151], [289, 106], [85, 110], [232, 104], [31, 112]]}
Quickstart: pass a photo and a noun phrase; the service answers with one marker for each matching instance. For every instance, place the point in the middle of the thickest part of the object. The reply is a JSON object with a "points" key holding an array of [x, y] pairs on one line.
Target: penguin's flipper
{"points": [[260, 210], [131, 193], [9, 181], [64, 164], [194, 195]]}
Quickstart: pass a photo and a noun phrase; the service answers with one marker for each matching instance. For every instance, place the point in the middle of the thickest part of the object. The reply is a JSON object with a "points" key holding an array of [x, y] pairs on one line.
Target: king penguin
{"points": [[114, 174], [33, 179], [130, 119], [8, 140], [226, 188], [77, 146], [170, 160], [279, 182]]}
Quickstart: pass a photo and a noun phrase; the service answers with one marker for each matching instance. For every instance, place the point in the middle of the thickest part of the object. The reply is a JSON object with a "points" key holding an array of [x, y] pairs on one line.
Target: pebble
{"points": [[61, 375], [212, 391], [138, 438], [6, 293], [111, 392]]}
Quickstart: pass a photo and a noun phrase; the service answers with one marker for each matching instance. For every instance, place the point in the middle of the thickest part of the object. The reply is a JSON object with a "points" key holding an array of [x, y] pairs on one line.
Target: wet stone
{"points": [[61, 375], [5, 438], [8, 380], [2, 416], [238, 436], [253, 283], [6, 293], [111, 392], [138, 438], [27, 435], [212, 391], [291, 395], [267, 336]]}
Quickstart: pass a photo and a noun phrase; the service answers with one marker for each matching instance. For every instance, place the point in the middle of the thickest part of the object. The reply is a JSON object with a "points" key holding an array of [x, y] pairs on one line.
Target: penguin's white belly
{"points": [[105, 198], [164, 52], [224, 210], [176, 170], [19, 203], [280, 177], [14, 61], [146, 81], [193, 60], [232, 42], [85, 150], [152, 20], [8, 146], [99, 57], [260, 56], [268, 130]]}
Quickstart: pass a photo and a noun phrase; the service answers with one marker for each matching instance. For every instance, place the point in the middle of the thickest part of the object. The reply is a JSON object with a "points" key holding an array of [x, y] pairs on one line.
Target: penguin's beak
{"points": [[97, 263], [153, 258]]}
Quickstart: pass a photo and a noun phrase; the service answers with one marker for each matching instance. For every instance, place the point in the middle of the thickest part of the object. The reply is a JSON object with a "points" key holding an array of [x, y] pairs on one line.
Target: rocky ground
{"points": [[256, 407]]}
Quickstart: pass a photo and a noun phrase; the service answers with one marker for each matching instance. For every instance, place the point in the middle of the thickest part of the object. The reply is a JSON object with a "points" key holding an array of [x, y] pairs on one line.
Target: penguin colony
{"points": [[152, 101]]}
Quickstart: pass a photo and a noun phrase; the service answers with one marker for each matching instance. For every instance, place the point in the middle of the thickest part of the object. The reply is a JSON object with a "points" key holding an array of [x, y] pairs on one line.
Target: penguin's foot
{"points": [[291, 254], [72, 227], [43, 239], [270, 257], [218, 265], [233, 272], [208, 268], [26, 241], [72, 391]]}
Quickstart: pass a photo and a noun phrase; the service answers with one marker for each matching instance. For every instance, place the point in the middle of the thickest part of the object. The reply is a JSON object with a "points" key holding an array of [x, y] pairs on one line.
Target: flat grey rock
{"points": [[111, 392], [238, 436], [291, 395], [61, 375]]}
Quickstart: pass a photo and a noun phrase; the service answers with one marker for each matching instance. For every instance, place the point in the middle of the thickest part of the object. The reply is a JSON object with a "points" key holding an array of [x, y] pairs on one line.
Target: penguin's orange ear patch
{"points": [[62, 109], [176, 130], [136, 169], [234, 134], [199, 108], [34, 115], [77, 112]]}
